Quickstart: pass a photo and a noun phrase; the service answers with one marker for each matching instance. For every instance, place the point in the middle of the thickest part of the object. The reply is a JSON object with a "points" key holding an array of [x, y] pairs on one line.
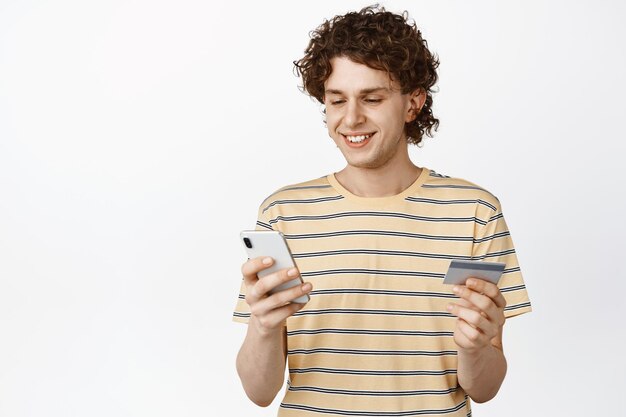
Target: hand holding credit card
{"points": [[460, 271]]}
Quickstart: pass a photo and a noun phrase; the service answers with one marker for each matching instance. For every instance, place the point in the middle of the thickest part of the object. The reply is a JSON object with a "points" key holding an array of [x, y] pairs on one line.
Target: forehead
{"points": [[349, 76]]}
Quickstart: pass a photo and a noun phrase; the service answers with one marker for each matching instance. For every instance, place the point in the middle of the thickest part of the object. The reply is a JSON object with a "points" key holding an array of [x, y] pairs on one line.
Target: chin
{"points": [[364, 164]]}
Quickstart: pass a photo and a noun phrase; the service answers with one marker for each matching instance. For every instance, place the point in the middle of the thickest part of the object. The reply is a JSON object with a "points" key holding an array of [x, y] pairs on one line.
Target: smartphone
{"points": [[273, 244], [460, 271]]}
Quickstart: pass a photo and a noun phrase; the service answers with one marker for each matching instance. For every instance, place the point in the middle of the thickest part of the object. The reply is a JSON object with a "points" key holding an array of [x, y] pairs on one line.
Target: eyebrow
{"points": [[364, 91]]}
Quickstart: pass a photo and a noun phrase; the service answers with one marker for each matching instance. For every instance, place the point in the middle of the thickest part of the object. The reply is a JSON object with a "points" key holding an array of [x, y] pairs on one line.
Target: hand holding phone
{"points": [[272, 244], [274, 288]]}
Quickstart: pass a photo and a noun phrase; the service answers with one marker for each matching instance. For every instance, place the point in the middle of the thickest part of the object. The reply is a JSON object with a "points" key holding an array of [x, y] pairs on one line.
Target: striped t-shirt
{"points": [[375, 339]]}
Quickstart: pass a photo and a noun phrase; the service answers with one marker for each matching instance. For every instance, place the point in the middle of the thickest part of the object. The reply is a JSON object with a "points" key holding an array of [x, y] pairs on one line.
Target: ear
{"points": [[416, 101]]}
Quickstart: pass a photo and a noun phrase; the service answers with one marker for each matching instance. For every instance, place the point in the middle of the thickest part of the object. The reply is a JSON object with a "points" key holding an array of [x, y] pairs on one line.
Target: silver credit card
{"points": [[460, 271]]}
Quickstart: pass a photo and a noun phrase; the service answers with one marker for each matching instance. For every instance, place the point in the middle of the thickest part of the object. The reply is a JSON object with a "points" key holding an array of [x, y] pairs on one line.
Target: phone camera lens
{"points": [[247, 242]]}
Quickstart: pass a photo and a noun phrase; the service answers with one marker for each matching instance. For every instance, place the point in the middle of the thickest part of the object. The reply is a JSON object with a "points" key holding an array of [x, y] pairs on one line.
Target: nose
{"points": [[354, 114]]}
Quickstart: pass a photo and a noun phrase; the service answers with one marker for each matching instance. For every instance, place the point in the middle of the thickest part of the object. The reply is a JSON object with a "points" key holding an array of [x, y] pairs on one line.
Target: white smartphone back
{"points": [[272, 243]]}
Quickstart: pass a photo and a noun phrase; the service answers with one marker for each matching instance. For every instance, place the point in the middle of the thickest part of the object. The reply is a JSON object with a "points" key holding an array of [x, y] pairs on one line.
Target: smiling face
{"points": [[366, 113]]}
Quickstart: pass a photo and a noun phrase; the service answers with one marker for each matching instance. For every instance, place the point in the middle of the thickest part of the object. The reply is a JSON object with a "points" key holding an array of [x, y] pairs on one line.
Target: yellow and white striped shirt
{"points": [[376, 339]]}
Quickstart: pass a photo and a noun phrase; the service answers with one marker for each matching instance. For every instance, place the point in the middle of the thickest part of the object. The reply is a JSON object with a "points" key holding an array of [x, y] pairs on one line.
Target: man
{"points": [[381, 334]]}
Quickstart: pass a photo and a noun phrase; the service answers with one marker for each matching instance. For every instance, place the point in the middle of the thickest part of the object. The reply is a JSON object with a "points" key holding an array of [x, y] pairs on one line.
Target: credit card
{"points": [[460, 271]]}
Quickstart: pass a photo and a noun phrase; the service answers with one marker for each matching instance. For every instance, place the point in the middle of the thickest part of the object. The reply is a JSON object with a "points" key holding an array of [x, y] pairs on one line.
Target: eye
{"points": [[373, 100], [336, 102]]}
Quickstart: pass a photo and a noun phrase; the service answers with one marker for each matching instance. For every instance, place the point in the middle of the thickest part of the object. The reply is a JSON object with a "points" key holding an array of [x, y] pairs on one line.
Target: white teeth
{"points": [[358, 139]]}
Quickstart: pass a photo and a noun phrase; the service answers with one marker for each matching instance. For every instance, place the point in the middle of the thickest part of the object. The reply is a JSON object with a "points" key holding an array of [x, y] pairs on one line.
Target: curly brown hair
{"points": [[381, 40]]}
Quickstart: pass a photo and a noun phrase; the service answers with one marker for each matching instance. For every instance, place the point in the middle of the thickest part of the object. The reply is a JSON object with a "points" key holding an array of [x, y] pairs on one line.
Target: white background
{"points": [[137, 138]]}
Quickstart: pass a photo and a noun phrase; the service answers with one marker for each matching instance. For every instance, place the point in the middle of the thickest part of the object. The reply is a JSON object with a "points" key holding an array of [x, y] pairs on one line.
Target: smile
{"points": [[358, 138]]}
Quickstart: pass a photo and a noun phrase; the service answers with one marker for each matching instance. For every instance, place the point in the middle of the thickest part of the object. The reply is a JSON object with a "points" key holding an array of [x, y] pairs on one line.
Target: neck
{"points": [[384, 181]]}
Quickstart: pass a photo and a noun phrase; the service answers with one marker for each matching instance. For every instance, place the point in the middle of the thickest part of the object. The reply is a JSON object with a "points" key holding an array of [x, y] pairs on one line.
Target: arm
{"points": [[261, 363], [478, 334], [262, 357]]}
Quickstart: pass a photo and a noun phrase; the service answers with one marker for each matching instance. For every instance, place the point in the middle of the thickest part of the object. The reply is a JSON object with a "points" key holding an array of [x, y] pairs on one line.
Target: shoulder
{"points": [[315, 190], [441, 186]]}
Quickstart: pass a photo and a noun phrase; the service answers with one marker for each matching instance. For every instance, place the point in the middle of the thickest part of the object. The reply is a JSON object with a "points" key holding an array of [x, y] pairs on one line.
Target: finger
{"points": [[253, 266], [263, 286], [477, 320], [478, 301], [271, 281], [466, 304], [281, 298], [472, 317], [468, 336], [487, 288]]}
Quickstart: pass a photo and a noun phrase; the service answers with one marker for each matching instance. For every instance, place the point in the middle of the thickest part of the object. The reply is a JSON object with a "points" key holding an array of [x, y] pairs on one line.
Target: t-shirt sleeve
{"points": [[493, 243], [242, 310]]}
